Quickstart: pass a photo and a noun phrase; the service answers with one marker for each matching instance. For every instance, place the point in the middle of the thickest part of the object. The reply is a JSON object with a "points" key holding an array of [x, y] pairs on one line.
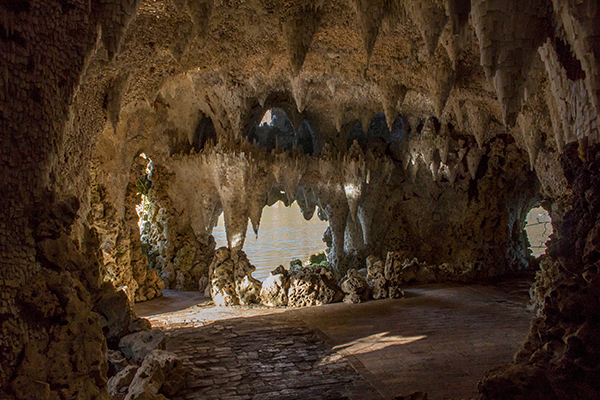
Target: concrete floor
{"points": [[440, 339]]}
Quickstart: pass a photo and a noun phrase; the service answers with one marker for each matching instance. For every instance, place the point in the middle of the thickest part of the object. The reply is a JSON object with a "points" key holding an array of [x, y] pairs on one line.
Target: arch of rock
{"points": [[498, 104]]}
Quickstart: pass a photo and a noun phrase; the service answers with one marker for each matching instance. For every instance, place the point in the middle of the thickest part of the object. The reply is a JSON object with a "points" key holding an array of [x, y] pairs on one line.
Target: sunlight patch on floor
{"points": [[378, 341]]}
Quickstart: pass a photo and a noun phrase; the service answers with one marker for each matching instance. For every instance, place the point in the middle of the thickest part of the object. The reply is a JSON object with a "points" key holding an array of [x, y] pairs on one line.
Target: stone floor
{"points": [[439, 339]]}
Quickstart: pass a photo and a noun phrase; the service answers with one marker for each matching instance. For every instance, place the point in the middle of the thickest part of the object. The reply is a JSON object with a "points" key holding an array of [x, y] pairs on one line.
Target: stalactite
{"points": [[370, 16], [299, 92], [431, 19], [392, 95], [200, 12], [299, 28]]}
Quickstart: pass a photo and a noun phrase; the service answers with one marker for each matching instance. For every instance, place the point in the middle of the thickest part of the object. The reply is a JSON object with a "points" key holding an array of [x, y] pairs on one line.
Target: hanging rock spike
{"points": [[507, 61], [473, 158], [365, 121], [338, 117], [200, 12], [455, 35], [479, 122], [369, 14], [430, 19], [299, 28], [299, 92], [391, 95], [441, 82]]}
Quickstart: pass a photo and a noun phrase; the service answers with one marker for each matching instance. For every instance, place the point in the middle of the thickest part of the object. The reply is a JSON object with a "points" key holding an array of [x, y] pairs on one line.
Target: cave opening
{"points": [[276, 131], [538, 226], [284, 235]]}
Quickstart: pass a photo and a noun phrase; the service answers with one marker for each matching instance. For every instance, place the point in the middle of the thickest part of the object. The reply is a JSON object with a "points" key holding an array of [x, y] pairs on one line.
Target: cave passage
{"points": [[539, 228], [284, 236]]}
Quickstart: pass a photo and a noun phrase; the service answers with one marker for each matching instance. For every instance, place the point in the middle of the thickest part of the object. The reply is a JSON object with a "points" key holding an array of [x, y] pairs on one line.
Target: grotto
{"points": [[423, 131]]}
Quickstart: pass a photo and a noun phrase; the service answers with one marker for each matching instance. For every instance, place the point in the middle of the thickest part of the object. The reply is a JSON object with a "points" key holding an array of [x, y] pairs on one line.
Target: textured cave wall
{"points": [[51, 342], [109, 79], [125, 263], [473, 222], [560, 356]]}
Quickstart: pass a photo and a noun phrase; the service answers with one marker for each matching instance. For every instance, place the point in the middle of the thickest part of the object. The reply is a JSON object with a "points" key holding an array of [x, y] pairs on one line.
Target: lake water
{"points": [[284, 235]]}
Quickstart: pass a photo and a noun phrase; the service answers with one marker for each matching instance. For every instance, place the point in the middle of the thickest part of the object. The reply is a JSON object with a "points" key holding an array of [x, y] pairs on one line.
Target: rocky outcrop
{"points": [[142, 369], [175, 250], [161, 374], [231, 279], [355, 287], [116, 314], [274, 291], [125, 265], [118, 385], [400, 271], [382, 280], [313, 286], [137, 346]]}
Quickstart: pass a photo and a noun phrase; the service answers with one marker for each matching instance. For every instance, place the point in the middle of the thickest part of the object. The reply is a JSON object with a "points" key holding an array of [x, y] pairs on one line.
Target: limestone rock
{"points": [[379, 287], [138, 345], [247, 287], [118, 385], [161, 374], [231, 279], [115, 310], [313, 286], [376, 278], [116, 362], [222, 289], [275, 287], [355, 287], [397, 270], [139, 324]]}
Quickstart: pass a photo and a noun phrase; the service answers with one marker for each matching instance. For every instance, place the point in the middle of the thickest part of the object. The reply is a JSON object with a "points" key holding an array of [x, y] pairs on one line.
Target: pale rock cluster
{"points": [[231, 281]]}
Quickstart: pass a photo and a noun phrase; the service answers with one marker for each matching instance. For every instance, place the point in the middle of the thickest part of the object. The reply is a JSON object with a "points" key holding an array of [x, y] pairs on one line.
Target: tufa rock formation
{"points": [[421, 129]]}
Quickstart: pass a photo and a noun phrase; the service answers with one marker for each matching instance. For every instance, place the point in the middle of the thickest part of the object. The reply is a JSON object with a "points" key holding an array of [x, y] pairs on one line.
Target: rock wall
{"points": [[46, 294], [179, 254], [559, 358], [125, 265]]}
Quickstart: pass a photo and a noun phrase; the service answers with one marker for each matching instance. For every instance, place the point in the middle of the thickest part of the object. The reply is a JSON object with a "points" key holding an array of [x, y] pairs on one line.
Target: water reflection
{"points": [[283, 236]]}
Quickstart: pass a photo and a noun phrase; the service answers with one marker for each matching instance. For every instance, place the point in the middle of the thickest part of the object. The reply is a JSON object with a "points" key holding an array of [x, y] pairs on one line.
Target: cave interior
{"points": [[422, 131]]}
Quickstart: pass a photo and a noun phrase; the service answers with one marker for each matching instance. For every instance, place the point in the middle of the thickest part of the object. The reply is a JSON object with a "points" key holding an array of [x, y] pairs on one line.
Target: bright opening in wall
{"points": [[284, 235], [538, 226], [267, 119]]}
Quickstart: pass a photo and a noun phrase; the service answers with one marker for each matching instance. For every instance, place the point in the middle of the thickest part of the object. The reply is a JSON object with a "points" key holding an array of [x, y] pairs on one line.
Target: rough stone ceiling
{"points": [[252, 54], [337, 62]]}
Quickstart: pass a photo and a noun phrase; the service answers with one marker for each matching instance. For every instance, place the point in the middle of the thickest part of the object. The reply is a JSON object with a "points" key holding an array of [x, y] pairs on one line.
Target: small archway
{"points": [[284, 235], [276, 131], [538, 225]]}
